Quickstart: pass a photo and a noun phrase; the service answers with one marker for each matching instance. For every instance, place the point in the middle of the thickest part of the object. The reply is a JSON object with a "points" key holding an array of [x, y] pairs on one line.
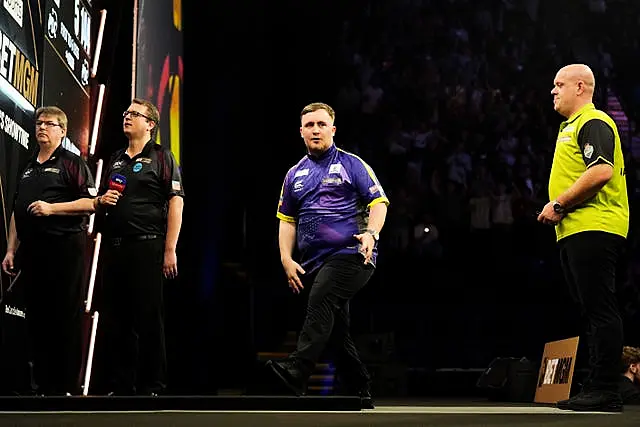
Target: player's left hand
{"points": [[40, 208], [170, 264], [549, 216], [367, 243]]}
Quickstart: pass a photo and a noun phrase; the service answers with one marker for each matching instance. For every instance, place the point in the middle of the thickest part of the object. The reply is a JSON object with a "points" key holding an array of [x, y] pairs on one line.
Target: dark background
{"points": [[245, 83], [250, 67]]}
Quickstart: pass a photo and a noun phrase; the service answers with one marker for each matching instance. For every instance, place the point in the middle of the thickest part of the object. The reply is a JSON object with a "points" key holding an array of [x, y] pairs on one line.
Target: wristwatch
{"points": [[557, 207], [374, 233]]}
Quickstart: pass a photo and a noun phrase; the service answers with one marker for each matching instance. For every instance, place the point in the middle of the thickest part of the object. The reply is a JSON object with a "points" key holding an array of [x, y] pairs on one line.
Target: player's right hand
{"points": [[291, 269], [109, 198], [7, 264]]}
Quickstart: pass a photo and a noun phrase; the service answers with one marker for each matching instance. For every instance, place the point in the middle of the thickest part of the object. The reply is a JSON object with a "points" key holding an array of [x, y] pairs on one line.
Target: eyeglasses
{"points": [[135, 114], [47, 124]]}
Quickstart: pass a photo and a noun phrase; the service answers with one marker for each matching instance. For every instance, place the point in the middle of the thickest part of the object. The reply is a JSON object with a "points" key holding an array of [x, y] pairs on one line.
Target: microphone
{"points": [[118, 182]]}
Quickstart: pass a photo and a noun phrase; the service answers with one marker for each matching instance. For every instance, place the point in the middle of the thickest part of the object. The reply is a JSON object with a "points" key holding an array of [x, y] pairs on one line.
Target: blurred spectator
{"points": [[454, 103]]}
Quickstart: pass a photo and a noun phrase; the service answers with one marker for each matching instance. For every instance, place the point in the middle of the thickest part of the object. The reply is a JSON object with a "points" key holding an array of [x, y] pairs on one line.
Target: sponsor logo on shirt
{"points": [[335, 168], [301, 172], [52, 170], [588, 150], [27, 173], [332, 181], [175, 185], [118, 164], [297, 186], [14, 311], [373, 189], [144, 160]]}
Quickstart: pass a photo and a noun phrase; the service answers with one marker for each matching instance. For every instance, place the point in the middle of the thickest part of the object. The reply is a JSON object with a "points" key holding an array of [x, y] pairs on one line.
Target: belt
{"points": [[117, 241]]}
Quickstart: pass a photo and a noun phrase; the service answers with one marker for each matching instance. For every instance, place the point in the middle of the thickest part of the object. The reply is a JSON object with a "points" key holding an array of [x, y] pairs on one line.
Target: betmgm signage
{"points": [[18, 76], [556, 370]]}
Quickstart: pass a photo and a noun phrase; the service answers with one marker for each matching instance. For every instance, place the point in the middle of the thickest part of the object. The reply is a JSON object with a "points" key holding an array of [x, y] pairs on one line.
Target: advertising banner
{"points": [[66, 67], [21, 43], [159, 68]]}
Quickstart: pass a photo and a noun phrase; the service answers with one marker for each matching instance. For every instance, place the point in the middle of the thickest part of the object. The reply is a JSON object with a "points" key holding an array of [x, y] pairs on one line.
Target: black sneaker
{"points": [[360, 388], [596, 401], [366, 401], [289, 374], [564, 404]]}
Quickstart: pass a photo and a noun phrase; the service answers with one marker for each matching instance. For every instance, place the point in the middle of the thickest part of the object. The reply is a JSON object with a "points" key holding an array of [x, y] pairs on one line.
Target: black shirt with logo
{"points": [[64, 177], [152, 179]]}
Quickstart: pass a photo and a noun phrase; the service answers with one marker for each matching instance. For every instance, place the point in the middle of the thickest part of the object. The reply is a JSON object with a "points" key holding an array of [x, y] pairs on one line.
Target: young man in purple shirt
{"points": [[333, 208]]}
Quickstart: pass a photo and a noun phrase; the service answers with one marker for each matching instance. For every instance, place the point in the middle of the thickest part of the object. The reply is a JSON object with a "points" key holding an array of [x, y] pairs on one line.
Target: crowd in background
{"points": [[450, 103]]}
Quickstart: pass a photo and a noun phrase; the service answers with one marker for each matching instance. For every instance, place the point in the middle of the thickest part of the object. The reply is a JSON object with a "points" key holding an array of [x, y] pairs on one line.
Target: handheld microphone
{"points": [[118, 182]]}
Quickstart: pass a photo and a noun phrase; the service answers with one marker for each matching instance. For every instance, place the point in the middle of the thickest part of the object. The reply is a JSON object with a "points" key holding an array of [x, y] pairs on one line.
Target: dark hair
{"points": [[630, 356]]}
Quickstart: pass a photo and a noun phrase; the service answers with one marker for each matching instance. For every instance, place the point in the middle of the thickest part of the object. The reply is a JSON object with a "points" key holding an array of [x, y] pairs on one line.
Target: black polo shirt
{"points": [[153, 177], [629, 391], [64, 177]]}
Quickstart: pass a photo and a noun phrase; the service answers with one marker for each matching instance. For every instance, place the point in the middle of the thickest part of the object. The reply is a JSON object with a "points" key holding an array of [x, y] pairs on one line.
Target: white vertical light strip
{"points": [[96, 55], [92, 344], [94, 269], [96, 120], [135, 49], [97, 188], [98, 173], [92, 219]]}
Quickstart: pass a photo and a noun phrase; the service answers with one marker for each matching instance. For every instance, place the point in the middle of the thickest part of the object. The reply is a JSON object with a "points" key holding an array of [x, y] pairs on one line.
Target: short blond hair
{"points": [[52, 110], [152, 113], [315, 106]]}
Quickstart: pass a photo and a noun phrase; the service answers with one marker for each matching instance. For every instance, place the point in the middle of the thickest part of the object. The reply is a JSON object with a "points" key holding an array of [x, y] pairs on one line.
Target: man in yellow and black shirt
{"points": [[590, 211]]}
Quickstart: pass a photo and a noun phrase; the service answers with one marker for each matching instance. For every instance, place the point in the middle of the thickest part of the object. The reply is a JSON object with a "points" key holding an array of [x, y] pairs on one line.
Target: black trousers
{"points": [[53, 270], [133, 310], [589, 261], [327, 320]]}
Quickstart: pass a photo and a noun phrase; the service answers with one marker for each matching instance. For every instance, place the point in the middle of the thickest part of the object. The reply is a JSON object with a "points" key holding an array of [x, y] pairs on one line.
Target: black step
{"points": [[179, 403]]}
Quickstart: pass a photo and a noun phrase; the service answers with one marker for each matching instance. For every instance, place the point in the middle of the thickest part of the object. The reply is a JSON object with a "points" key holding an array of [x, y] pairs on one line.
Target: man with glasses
{"points": [[54, 195], [142, 198]]}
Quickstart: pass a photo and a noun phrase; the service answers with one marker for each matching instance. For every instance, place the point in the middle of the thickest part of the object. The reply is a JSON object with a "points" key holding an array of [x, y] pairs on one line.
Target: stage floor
{"points": [[410, 412]]}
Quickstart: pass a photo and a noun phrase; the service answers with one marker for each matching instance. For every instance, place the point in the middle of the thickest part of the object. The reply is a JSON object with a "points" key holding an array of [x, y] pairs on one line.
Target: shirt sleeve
{"points": [[597, 141], [171, 176], [287, 205], [15, 193], [80, 178], [367, 184]]}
